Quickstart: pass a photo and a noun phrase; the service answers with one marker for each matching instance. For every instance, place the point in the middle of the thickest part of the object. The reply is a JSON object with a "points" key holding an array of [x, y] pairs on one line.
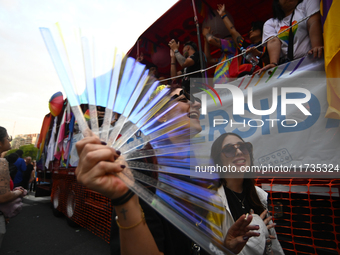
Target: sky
{"points": [[27, 75]]}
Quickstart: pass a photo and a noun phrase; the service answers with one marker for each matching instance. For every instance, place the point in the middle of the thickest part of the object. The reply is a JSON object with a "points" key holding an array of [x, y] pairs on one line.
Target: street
{"points": [[37, 231]]}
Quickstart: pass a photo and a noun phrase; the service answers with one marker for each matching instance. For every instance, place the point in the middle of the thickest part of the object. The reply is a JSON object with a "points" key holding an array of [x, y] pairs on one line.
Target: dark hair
{"points": [[19, 152], [152, 65], [278, 13], [11, 158], [3, 134], [257, 25], [248, 183], [192, 45], [217, 147]]}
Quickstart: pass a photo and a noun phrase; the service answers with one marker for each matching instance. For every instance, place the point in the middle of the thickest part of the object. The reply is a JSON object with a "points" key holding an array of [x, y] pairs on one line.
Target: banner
{"points": [[281, 113]]}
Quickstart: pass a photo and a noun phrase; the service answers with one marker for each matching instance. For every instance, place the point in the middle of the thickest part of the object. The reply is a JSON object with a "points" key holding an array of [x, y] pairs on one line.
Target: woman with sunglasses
{"points": [[240, 195], [6, 184], [141, 229]]}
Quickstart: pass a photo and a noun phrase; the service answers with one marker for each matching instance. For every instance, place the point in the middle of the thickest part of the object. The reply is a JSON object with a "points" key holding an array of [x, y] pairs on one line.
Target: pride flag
{"points": [[43, 133], [330, 10]]}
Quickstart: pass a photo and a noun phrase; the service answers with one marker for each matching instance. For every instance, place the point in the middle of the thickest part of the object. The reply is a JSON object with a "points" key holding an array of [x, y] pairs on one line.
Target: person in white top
{"points": [[240, 196], [307, 35]]}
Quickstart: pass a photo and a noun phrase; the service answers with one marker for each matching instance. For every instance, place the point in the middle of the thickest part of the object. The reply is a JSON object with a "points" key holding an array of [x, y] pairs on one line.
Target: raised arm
{"points": [[210, 39], [315, 35], [173, 69], [232, 30], [97, 168], [184, 62]]}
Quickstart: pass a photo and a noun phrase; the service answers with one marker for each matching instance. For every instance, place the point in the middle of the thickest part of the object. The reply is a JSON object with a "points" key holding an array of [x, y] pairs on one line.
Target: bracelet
{"points": [[225, 15], [173, 63], [176, 51], [123, 199], [135, 225], [275, 64]]}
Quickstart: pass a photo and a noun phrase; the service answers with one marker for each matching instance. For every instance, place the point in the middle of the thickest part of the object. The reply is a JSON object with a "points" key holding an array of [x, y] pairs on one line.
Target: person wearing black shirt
{"points": [[189, 61]]}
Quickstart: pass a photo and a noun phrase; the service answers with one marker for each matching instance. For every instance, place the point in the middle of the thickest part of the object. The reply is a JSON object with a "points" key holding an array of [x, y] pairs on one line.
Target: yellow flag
{"points": [[330, 10]]}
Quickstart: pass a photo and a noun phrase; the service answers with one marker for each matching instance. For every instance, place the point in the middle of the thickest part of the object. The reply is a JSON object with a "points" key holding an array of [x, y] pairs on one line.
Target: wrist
{"points": [[130, 217], [274, 63], [123, 199], [223, 15], [17, 193], [132, 203], [207, 36], [176, 51]]}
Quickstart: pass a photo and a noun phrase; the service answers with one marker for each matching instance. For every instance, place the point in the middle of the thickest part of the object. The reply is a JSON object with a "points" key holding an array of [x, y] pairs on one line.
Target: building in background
{"points": [[26, 139]]}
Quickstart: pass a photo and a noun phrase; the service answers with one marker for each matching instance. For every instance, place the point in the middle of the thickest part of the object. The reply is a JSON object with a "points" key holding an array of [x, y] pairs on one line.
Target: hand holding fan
{"points": [[95, 75]]}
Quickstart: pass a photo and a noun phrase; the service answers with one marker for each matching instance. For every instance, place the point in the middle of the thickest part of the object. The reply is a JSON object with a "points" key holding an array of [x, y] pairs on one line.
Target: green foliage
{"points": [[29, 150], [11, 151]]}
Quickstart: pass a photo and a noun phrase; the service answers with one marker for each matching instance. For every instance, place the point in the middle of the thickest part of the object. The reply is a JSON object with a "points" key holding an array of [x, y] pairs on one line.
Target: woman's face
{"points": [[5, 144], [288, 5], [240, 159], [191, 111]]}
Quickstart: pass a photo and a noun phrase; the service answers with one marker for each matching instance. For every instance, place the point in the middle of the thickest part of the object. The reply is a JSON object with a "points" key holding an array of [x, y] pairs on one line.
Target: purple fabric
{"points": [[326, 5]]}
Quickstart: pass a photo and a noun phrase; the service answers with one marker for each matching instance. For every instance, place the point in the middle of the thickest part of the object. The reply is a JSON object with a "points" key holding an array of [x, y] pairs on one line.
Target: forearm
{"points": [[231, 28], [274, 49], [137, 239], [207, 50], [9, 195], [173, 70], [181, 59], [210, 59], [315, 30]]}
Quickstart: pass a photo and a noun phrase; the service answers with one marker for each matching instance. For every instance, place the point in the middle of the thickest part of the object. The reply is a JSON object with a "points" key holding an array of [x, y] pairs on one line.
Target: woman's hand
{"points": [[20, 191], [268, 222], [316, 51], [264, 69], [97, 168], [221, 9], [254, 51], [239, 233]]}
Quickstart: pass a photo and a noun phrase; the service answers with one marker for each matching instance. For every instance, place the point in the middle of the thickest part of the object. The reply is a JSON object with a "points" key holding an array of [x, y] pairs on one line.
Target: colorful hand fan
{"points": [[102, 78]]}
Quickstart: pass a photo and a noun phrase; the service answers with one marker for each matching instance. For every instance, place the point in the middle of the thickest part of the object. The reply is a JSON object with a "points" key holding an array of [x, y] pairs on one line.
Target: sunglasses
{"points": [[187, 97], [9, 138], [230, 149]]}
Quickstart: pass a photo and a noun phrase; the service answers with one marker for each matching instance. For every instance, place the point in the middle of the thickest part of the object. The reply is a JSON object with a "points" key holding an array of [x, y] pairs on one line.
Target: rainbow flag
{"points": [[60, 138], [330, 10], [43, 133]]}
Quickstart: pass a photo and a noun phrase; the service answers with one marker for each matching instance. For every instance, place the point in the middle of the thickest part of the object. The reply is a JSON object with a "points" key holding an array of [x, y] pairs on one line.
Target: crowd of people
{"points": [[267, 45]]}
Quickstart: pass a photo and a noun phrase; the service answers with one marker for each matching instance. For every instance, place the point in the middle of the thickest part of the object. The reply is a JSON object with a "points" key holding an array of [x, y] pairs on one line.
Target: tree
{"points": [[29, 150]]}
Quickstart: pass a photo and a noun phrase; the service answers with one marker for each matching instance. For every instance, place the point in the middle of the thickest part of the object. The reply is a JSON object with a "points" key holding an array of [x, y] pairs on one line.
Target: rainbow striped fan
{"points": [[94, 74]]}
